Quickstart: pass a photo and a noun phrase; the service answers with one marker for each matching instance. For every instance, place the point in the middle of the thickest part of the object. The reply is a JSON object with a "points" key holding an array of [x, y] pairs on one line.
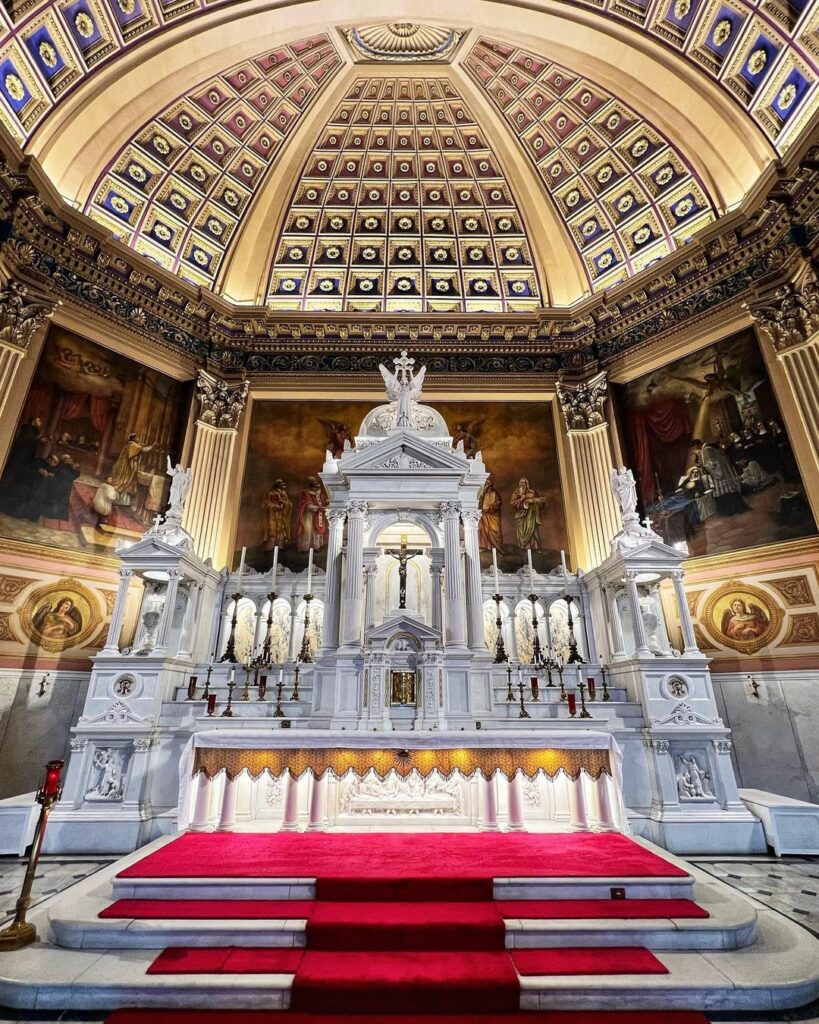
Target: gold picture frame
{"points": [[742, 617]]}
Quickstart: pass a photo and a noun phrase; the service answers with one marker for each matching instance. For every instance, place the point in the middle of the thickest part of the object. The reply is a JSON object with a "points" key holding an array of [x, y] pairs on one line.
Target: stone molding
{"points": [[584, 404]]}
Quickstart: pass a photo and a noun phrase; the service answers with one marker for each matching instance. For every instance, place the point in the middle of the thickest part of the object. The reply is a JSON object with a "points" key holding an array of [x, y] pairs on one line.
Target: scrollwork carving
{"points": [[21, 313], [790, 316], [584, 404]]}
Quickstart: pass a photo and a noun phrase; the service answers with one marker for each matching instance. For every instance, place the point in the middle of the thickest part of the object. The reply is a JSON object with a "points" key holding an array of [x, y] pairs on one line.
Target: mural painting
{"points": [[87, 466], [713, 463], [60, 615], [284, 504], [742, 617]]}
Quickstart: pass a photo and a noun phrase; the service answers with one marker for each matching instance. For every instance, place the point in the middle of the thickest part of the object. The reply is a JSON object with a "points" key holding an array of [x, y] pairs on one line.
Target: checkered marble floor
{"points": [[787, 884], [53, 875]]}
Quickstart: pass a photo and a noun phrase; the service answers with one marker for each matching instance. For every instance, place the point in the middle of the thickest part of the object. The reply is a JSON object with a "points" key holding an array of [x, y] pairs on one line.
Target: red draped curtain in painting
{"points": [[668, 422]]}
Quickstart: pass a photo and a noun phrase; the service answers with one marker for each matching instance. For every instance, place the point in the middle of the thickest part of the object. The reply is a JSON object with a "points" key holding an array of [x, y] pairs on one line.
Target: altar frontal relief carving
{"points": [[706, 441], [59, 616], [283, 502], [87, 465]]}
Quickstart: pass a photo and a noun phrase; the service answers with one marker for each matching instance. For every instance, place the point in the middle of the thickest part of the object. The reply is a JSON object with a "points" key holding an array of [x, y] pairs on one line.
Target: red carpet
{"points": [[521, 1017], [217, 910], [384, 857], [587, 960], [406, 982], [226, 960]]}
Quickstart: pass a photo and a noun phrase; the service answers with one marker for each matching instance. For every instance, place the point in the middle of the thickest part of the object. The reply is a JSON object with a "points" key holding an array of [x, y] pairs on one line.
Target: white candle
{"points": [[531, 570], [309, 570], [495, 567], [275, 567], [242, 561], [563, 565], [281, 674]]}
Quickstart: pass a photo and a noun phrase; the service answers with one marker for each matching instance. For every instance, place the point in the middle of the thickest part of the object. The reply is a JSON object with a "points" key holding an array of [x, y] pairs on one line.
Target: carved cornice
{"points": [[220, 403], [60, 253], [584, 403]]}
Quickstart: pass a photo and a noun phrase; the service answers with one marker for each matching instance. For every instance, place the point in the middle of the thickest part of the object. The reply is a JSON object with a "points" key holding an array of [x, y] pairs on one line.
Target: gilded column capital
{"points": [[584, 404], [789, 316], [220, 404], [22, 312]]}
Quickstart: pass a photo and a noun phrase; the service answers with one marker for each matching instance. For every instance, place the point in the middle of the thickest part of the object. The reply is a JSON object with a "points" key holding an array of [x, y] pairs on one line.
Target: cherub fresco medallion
{"points": [[742, 617], [60, 615]]}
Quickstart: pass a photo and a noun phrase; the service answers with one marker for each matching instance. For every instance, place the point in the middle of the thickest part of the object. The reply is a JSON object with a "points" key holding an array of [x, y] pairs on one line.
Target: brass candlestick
{"points": [[510, 696], [606, 694], [228, 712], [20, 932], [305, 655], [500, 649], [278, 713], [230, 646], [295, 695], [523, 713], [206, 691], [583, 712], [246, 689], [537, 654], [574, 655], [562, 687], [268, 638]]}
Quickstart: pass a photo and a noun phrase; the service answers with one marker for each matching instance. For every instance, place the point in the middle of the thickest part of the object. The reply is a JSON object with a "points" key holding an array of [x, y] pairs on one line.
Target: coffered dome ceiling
{"points": [[312, 157]]}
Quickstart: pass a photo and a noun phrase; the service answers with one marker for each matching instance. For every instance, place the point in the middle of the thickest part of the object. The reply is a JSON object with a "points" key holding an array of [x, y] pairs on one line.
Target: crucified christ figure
{"points": [[402, 555]]}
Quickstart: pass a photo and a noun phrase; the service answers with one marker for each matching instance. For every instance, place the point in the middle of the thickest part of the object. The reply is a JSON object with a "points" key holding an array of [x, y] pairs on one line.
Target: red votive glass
{"points": [[191, 686], [533, 683], [211, 703], [571, 700], [592, 688], [51, 780]]}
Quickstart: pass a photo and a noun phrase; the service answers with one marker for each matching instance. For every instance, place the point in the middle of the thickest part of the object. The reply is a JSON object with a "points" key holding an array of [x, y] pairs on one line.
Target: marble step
{"points": [[779, 971]]}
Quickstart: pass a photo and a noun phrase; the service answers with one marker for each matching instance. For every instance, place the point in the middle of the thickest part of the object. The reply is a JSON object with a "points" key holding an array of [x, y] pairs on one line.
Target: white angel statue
{"points": [[403, 387], [625, 489], [180, 482]]}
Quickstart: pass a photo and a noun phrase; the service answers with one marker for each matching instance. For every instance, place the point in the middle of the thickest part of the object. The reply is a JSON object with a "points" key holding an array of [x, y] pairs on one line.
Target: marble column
{"points": [[595, 509], [117, 615], [332, 585], [24, 317], [294, 639], [474, 598], [201, 807], [489, 822], [686, 625], [640, 638], [618, 644], [353, 589], [578, 822], [512, 638], [227, 813], [453, 583], [515, 817], [290, 818], [318, 805], [436, 570], [370, 577], [209, 499], [168, 608]]}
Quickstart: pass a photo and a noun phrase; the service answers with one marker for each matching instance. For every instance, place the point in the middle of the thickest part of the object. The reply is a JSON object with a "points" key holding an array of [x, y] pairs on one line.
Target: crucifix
{"points": [[403, 556]]}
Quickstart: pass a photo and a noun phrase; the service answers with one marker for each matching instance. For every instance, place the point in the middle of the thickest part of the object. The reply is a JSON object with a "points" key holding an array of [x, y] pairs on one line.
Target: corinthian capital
{"points": [[584, 404], [356, 509], [471, 517], [450, 510], [791, 315], [22, 313], [220, 403]]}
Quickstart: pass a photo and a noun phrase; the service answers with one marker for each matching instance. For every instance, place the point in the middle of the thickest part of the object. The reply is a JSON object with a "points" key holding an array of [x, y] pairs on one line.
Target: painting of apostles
{"points": [[713, 462], [86, 467], [278, 508]]}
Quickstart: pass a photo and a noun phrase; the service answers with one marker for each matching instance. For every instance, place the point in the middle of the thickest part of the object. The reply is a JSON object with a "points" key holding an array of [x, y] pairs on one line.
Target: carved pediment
{"points": [[403, 623], [404, 451]]}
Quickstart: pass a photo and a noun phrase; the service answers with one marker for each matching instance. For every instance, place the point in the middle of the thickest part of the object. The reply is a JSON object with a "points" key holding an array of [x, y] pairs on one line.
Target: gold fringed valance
{"points": [[487, 760]]}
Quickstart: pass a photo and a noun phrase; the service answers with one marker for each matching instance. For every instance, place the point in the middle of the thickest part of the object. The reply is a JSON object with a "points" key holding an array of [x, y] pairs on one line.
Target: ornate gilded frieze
{"points": [[220, 404], [22, 312]]}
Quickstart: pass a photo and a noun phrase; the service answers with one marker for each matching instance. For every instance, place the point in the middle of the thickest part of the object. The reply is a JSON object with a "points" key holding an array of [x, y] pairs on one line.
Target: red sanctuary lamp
{"points": [[572, 702], [20, 933]]}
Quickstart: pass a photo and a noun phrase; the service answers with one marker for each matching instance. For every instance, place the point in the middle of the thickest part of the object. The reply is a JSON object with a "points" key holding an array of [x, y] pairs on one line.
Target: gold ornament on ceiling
{"points": [[403, 42]]}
